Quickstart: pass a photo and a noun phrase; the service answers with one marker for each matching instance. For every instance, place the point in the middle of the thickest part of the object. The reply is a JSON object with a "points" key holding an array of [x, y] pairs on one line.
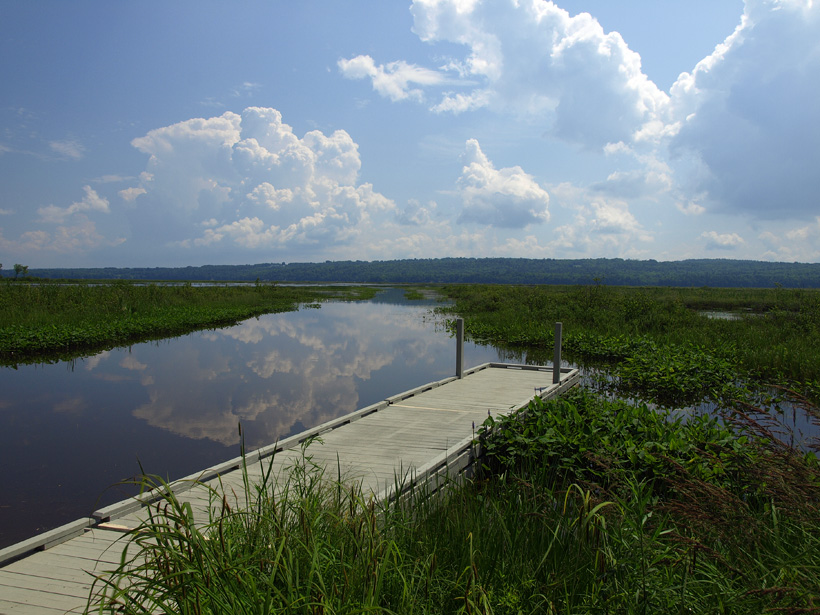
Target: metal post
{"points": [[459, 348], [556, 356]]}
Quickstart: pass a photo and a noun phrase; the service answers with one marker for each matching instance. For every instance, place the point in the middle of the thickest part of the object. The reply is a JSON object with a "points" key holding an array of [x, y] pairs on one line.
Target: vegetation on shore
{"points": [[47, 321], [654, 340], [583, 505]]}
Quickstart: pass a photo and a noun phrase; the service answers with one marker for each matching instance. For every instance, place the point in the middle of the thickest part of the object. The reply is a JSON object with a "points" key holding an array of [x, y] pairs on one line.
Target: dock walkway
{"points": [[418, 436]]}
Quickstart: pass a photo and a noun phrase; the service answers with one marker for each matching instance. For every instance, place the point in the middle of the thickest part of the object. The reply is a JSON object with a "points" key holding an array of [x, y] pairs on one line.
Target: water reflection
{"points": [[70, 430], [280, 374]]}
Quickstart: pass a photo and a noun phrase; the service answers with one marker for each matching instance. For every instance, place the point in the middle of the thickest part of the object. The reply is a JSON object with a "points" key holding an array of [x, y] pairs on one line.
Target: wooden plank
{"points": [[15, 581], [66, 570], [18, 608], [43, 598]]}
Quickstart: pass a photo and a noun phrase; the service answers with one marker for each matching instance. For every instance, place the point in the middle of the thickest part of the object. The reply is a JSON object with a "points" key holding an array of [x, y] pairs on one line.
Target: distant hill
{"points": [[611, 271]]}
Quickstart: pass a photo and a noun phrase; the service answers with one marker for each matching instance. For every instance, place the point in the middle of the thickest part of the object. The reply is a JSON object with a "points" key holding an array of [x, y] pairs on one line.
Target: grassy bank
{"points": [[655, 337], [584, 506], [48, 321]]}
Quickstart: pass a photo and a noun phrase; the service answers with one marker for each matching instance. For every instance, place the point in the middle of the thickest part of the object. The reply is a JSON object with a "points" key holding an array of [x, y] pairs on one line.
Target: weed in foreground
{"points": [[583, 506]]}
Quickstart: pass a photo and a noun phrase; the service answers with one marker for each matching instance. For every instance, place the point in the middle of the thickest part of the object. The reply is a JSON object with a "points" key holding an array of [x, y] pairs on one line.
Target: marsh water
{"points": [[70, 431]]}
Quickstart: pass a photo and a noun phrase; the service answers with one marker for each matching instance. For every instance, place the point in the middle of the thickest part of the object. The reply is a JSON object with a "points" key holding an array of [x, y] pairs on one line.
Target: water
{"points": [[724, 315], [70, 431], [783, 418]]}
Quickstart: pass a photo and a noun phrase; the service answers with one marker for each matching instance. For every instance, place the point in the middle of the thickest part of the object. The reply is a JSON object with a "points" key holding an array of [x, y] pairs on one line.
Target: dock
{"points": [[422, 437]]}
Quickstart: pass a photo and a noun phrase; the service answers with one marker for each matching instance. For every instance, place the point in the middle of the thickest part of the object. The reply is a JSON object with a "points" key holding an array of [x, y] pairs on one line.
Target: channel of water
{"points": [[70, 431]]}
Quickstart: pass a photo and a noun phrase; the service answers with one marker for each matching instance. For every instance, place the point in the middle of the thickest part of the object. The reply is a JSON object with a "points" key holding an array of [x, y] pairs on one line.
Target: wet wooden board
{"points": [[419, 435]]}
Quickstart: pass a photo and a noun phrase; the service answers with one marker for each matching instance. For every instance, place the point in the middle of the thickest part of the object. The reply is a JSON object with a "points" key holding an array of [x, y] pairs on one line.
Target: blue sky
{"points": [[198, 132]]}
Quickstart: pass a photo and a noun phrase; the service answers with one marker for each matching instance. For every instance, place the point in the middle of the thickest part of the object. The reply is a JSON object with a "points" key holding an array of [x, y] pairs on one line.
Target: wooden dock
{"points": [[420, 436]]}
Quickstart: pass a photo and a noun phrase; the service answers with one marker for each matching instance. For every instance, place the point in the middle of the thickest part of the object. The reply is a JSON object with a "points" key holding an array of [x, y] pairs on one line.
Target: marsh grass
{"points": [[47, 321], [581, 506], [659, 329]]}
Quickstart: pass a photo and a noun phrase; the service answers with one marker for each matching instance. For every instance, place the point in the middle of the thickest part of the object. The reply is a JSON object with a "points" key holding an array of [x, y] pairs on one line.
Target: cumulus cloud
{"points": [[416, 214], [651, 178], [721, 241], [801, 243], [529, 57], [130, 194], [90, 202], [80, 236], [749, 113], [600, 226], [506, 197], [690, 207], [250, 182], [738, 133]]}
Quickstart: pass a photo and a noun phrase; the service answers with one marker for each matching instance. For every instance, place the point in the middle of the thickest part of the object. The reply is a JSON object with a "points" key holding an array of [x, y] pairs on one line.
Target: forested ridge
{"points": [[610, 271]]}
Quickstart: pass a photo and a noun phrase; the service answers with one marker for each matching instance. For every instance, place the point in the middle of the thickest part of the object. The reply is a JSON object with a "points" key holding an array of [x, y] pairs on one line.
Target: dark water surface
{"points": [[70, 431]]}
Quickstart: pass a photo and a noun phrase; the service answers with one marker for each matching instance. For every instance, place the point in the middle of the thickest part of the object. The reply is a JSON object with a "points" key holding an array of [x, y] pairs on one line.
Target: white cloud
{"points": [[690, 208], [393, 80], [90, 202], [800, 243], [257, 184], [416, 214], [601, 226], [499, 197], [749, 113], [529, 57], [265, 194], [68, 149], [742, 128], [81, 236], [130, 194], [652, 178], [721, 241]]}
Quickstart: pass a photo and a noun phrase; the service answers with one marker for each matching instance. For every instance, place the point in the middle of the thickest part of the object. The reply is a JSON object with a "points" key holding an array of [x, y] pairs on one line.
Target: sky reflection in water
{"points": [[72, 430]]}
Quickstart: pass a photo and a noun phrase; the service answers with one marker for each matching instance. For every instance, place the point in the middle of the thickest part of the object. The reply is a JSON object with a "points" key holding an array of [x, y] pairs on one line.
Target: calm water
{"points": [[70, 431]]}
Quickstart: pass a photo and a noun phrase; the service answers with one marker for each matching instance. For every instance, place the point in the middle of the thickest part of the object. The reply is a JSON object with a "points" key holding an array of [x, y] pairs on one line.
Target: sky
{"points": [[150, 133]]}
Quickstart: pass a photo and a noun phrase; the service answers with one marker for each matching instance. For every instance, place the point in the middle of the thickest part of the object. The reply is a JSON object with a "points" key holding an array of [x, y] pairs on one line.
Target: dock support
{"points": [[459, 348], [556, 357]]}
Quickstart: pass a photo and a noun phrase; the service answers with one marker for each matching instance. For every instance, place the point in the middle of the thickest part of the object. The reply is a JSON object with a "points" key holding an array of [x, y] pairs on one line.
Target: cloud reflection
{"points": [[282, 373]]}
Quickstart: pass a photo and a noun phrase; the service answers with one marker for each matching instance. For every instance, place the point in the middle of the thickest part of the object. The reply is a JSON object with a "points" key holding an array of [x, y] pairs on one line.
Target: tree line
{"points": [[610, 271]]}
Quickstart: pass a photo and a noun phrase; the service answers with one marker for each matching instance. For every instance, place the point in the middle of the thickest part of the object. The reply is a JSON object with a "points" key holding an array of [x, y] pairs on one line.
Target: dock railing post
{"points": [[556, 356], [459, 348]]}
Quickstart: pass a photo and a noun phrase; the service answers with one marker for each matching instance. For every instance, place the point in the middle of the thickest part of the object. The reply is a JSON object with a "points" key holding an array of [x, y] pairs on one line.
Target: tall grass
{"points": [[583, 506]]}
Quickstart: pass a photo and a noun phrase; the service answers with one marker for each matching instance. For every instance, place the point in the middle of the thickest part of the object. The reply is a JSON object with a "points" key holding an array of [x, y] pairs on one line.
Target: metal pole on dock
{"points": [[556, 356], [459, 348]]}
